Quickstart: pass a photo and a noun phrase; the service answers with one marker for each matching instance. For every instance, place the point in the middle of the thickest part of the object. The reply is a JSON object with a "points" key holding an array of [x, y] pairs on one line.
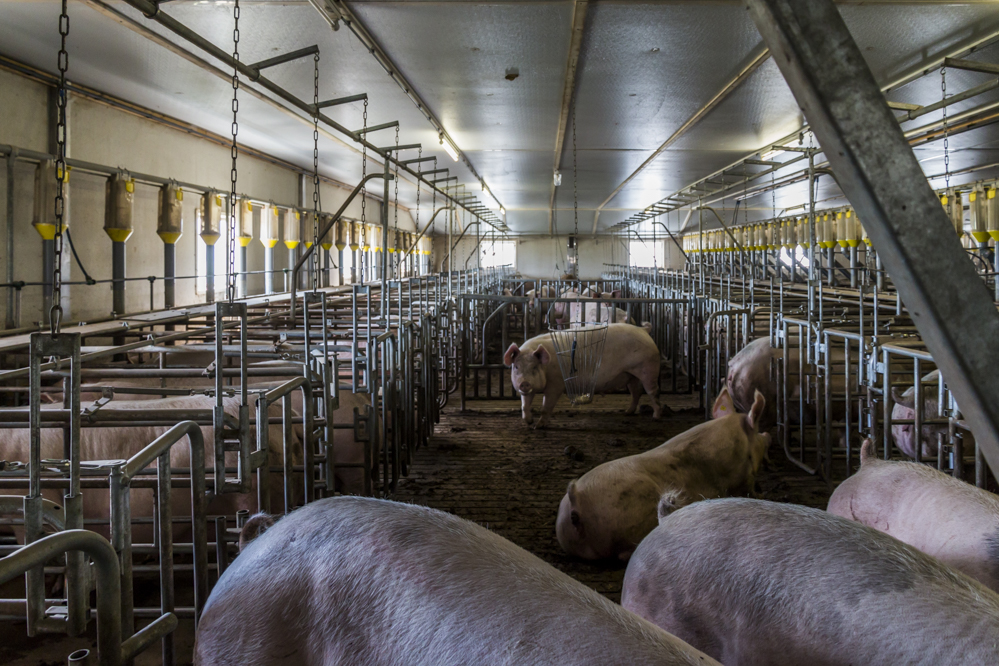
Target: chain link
{"points": [[413, 255], [575, 196], [234, 212], [55, 311], [364, 166], [315, 177], [433, 208], [395, 211], [946, 128]]}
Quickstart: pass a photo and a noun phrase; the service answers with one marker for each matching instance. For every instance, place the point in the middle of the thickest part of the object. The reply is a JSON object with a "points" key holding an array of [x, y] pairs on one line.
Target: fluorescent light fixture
{"points": [[502, 210], [449, 148], [770, 154], [558, 179]]}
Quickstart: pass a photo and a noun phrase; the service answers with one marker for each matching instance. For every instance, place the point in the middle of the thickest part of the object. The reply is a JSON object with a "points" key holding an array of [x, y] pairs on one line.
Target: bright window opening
{"points": [[799, 253], [647, 253], [348, 262], [499, 253], [201, 257]]}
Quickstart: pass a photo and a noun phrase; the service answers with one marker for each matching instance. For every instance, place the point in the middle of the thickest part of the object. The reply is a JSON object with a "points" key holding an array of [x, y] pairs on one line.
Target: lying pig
{"points": [[760, 583], [607, 511], [121, 443], [365, 582], [905, 409], [951, 520], [630, 358]]}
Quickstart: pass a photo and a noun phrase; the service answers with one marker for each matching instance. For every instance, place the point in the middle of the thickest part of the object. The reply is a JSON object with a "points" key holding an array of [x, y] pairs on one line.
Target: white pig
{"points": [[607, 511], [949, 519], [366, 582], [630, 358], [756, 583]]}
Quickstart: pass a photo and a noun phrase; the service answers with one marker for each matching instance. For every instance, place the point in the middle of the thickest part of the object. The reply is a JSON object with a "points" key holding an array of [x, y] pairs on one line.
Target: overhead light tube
{"points": [[450, 149]]}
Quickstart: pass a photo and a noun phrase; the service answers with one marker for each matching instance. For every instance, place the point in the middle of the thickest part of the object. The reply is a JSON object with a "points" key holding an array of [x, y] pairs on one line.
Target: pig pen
{"points": [[486, 465]]}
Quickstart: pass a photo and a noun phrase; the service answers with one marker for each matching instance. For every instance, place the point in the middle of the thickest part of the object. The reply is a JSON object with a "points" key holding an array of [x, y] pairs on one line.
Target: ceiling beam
{"points": [[579, 8]]}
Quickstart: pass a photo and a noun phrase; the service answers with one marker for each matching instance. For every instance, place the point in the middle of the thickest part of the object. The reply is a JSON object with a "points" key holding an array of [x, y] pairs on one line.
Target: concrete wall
{"points": [[108, 136], [544, 257]]}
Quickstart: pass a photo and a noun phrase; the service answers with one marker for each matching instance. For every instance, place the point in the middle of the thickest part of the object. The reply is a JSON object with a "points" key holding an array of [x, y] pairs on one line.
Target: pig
{"points": [[630, 359], [749, 373], [120, 443], [905, 409], [949, 519], [755, 583], [367, 582], [607, 511]]}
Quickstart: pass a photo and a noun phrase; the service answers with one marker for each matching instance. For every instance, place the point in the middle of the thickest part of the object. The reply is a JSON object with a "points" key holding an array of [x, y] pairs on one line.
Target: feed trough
{"points": [[579, 349]]}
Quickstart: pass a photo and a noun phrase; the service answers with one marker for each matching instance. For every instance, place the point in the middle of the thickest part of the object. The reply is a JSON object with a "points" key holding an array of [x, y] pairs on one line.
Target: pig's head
{"points": [[904, 409], [724, 407], [611, 294], [572, 532], [527, 368]]}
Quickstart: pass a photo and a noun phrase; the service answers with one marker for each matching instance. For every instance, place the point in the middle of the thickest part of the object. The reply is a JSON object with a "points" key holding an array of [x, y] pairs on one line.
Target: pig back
{"points": [[361, 581], [753, 582]]}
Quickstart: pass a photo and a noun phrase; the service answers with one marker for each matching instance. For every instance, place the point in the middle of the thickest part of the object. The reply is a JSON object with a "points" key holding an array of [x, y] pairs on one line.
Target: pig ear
{"points": [[724, 406], [669, 502], [616, 293], [756, 411], [542, 355], [511, 354], [907, 401]]}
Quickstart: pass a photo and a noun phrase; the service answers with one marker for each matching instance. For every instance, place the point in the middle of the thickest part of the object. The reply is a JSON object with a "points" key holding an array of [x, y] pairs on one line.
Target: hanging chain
{"points": [[230, 277], [315, 177], [364, 165], [55, 312], [946, 129], [433, 209], [575, 197]]}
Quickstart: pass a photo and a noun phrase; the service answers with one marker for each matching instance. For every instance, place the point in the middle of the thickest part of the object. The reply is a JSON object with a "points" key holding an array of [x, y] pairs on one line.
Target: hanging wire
{"points": [[230, 276], [55, 311]]}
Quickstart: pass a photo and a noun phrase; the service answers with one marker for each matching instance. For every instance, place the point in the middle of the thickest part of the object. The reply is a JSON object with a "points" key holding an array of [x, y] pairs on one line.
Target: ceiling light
{"points": [[502, 210], [770, 154], [558, 179], [449, 148]]}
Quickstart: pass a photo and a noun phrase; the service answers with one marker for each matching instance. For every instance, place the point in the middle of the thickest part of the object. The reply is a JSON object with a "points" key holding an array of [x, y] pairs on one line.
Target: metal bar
{"points": [[878, 172], [406, 146], [342, 100], [578, 23], [422, 159], [281, 59], [108, 581], [971, 65], [375, 128]]}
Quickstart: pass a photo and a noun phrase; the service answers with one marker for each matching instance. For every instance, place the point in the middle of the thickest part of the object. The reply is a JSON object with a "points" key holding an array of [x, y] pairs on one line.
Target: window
{"points": [[200, 258], [498, 253], [348, 261], [647, 253]]}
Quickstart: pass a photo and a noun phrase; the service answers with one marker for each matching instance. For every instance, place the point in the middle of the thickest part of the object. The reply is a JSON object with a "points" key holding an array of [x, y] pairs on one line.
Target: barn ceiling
{"points": [[494, 73]]}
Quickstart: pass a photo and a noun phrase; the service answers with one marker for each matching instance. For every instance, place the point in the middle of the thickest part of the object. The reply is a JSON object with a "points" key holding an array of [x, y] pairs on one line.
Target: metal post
{"points": [[9, 269], [209, 273], [169, 272], [878, 172], [48, 268], [268, 270], [385, 241], [243, 288]]}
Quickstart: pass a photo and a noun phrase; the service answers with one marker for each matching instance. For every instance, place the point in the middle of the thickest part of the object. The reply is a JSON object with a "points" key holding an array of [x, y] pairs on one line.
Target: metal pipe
{"points": [[118, 277], [9, 232], [878, 172], [108, 581], [330, 221]]}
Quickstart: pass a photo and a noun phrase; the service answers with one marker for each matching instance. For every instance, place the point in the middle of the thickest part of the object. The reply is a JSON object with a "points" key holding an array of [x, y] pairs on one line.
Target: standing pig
{"points": [[951, 520], [630, 358], [756, 583], [609, 510], [365, 582], [749, 373]]}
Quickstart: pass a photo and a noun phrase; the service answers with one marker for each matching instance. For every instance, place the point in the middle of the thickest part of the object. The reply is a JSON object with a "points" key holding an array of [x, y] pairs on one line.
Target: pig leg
{"points": [[651, 384], [525, 408], [635, 388], [548, 408]]}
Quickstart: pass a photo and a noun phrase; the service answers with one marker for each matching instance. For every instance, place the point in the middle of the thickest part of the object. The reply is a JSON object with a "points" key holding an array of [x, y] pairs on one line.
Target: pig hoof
{"points": [[541, 424], [630, 411]]}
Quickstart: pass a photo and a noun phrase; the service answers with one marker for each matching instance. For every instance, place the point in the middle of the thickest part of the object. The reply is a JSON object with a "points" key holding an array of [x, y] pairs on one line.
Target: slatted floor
{"points": [[486, 465]]}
